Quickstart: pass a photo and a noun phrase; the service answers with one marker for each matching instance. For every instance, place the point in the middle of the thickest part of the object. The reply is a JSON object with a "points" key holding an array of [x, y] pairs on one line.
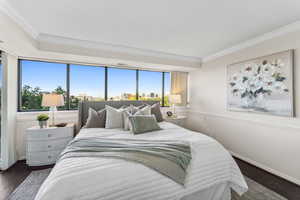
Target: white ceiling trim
{"points": [[259, 39], [47, 41], [10, 11], [51, 39]]}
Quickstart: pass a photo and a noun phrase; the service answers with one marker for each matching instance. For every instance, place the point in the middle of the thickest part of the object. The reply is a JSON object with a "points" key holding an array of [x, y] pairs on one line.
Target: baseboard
{"points": [[266, 168]]}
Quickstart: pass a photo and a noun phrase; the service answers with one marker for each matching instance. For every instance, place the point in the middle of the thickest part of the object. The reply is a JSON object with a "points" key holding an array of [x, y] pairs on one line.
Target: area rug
{"points": [[30, 186]]}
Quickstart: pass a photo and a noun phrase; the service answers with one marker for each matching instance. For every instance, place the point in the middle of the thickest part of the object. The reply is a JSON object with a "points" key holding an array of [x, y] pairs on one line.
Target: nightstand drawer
{"points": [[47, 145], [42, 158], [46, 134]]}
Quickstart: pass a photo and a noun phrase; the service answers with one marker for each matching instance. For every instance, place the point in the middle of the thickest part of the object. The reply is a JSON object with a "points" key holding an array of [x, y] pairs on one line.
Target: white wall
{"points": [[8, 112], [270, 142]]}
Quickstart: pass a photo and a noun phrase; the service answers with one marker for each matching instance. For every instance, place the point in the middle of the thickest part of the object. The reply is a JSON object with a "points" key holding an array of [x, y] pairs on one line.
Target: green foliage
{"points": [[32, 98], [59, 90], [74, 101], [42, 117], [166, 101]]}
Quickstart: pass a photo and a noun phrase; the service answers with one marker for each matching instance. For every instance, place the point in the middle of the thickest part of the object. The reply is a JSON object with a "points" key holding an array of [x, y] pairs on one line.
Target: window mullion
{"points": [[137, 84], [19, 85], [105, 84], [68, 87], [163, 89]]}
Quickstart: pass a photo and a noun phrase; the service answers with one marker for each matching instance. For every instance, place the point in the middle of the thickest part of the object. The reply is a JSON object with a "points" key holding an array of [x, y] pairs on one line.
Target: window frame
{"points": [[107, 81], [68, 69]]}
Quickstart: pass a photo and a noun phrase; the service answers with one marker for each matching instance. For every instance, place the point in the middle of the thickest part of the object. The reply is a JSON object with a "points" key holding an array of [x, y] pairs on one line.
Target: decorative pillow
{"points": [[96, 119], [144, 111], [134, 109], [155, 110], [114, 117], [143, 123]]}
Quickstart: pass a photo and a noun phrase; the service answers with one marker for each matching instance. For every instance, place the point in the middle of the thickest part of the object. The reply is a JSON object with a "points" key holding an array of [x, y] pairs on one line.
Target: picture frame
{"points": [[262, 85]]}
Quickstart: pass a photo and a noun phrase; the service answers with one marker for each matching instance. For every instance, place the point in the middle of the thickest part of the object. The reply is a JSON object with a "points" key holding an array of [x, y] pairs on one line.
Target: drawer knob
{"points": [[49, 157], [49, 146], [49, 135]]}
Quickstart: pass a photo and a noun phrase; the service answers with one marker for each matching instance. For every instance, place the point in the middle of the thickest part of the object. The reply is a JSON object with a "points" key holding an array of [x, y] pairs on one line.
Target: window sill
{"points": [[64, 115], [44, 111]]}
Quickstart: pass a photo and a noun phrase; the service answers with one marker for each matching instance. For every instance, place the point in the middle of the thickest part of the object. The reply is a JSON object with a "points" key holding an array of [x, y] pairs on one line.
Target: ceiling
{"points": [[194, 28]]}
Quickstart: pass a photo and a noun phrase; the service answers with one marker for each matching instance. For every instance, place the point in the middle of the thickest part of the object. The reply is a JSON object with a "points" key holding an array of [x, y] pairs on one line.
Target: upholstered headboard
{"points": [[83, 110]]}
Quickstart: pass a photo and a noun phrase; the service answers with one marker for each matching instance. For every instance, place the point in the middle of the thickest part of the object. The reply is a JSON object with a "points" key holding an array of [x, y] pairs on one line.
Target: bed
{"points": [[211, 175]]}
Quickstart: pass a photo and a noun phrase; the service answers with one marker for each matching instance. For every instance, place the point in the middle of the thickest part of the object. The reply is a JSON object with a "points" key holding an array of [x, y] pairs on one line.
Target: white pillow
{"points": [[114, 117]]}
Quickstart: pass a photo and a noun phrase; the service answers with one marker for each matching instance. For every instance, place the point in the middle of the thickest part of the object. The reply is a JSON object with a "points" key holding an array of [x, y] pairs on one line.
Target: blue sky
{"points": [[90, 79]]}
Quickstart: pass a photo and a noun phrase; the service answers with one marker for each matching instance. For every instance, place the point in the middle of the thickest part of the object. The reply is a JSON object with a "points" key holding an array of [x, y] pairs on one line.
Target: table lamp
{"points": [[175, 99], [53, 100]]}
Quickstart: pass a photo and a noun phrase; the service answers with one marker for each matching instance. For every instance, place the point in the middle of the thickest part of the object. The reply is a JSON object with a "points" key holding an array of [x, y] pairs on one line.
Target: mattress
{"points": [[212, 169]]}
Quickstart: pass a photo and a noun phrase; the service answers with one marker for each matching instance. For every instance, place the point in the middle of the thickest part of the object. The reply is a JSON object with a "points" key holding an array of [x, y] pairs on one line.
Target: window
{"points": [[90, 83], [38, 78], [150, 85], [167, 88], [121, 84], [1, 73], [86, 83]]}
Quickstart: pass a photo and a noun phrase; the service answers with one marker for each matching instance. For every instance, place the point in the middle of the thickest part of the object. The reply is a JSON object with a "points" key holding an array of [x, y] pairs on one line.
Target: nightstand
{"points": [[178, 120], [45, 145]]}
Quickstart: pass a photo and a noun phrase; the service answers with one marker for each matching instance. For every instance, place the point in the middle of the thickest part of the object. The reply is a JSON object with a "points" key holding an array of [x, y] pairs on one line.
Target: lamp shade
{"points": [[52, 100], [175, 98]]}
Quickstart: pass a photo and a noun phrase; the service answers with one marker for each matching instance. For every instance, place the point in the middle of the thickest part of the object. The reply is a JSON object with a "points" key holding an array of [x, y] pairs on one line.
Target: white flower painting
{"points": [[263, 85]]}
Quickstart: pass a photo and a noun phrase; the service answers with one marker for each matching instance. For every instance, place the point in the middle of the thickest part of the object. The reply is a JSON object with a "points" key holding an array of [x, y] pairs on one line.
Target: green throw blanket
{"points": [[170, 158]]}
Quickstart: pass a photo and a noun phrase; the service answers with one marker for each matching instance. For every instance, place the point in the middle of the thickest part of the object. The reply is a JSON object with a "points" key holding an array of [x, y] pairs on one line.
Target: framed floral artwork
{"points": [[262, 85]]}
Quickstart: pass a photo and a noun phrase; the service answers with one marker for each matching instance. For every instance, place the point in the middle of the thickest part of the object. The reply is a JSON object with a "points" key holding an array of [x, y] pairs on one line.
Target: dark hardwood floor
{"points": [[11, 178], [14, 176], [283, 187]]}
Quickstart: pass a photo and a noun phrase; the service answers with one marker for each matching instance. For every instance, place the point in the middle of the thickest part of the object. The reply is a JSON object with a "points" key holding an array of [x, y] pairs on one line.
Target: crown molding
{"points": [[51, 42], [111, 47], [10, 12], [256, 40]]}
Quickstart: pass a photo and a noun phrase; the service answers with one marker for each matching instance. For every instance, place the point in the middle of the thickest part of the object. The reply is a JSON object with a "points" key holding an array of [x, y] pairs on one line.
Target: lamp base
{"points": [[174, 111], [53, 109]]}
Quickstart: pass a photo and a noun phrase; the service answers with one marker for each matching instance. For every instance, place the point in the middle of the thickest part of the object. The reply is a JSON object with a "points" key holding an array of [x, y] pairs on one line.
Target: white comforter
{"points": [[116, 179]]}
